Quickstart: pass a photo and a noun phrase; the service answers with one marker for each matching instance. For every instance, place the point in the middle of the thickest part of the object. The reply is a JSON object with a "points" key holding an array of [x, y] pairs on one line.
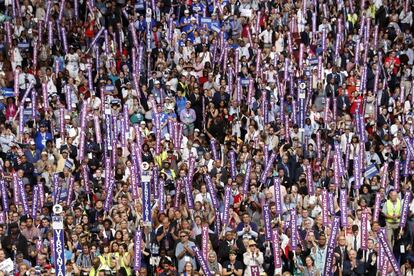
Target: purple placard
{"points": [[95, 39], [64, 40], [331, 247], [70, 191], [155, 180], [35, 202], [202, 262], [397, 175], [178, 194], [233, 165], [41, 194], [161, 200], [211, 190], [276, 249], [246, 180], [138, 250], [293, 227], [97, 126], [227, 195], [343, 200], [357, 172], [85, 177], [23, 196], [278, 197], [309, 180], [318, 146], [254, 270], [214, 149], [405, 209], [269, 165], [384, 175], [377, 207], [388, 252], [267, 224], [364, 230], [109, 195], [325, 199], [204, 241], [4, 195], [188, 193]]}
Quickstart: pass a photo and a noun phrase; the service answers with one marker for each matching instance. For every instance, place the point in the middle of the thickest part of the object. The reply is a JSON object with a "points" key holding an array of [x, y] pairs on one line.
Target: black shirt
{"points": [[237, 265]]}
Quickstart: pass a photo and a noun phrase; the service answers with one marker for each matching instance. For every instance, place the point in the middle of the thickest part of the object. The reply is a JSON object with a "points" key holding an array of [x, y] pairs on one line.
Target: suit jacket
{"points": [[331, 90], [343, 104], [357, 271], [370, 269], [342, 256], [119, 83]]}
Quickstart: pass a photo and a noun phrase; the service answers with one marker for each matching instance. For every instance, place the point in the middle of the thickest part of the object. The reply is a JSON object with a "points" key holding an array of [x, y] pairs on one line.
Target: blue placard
{"points": [[23, 45], [109, 88], [7, 92]]}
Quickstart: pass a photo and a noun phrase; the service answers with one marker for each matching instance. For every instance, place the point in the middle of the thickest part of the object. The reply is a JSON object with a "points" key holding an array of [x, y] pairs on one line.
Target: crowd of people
{"points": [[206, 137]]}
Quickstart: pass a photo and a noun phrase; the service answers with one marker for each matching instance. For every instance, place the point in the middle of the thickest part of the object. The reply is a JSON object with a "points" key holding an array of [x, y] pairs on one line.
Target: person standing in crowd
{"points": [[240, 137]]}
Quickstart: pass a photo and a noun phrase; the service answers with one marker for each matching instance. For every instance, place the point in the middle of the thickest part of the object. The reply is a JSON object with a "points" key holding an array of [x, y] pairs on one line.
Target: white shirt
{"points": [[266, 36]]}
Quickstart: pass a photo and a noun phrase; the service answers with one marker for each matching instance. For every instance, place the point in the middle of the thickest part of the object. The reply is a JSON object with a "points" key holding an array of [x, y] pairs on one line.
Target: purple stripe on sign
{"points": [[85, 177], [4, 195], [204, 241], [177, 194], [293, 227], [331, 247], [35, 202], [188, 193], [155, 181], [343, 201], [211, 190], [191, 167], [109, 195], [276, 249], [384, 175], [249, 92], [97, 126], [64, 40], [95, 39], [405, 208], [377, 208], [397, 175], [309, 180], [388, 252], [267, 224], [161, 199], [269, 165], [364, 230], [227, 195], [16, 193], [233, 165], [278, 197], [202, 262], [23, 196], [214, 151], [254, 270], [41, 194], [246, 180], [325, 218], [70, 191], [138, 250]]}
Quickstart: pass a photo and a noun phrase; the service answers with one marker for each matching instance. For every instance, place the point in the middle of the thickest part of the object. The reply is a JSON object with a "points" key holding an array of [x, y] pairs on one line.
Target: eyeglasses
{"points": [[183, 236]]}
